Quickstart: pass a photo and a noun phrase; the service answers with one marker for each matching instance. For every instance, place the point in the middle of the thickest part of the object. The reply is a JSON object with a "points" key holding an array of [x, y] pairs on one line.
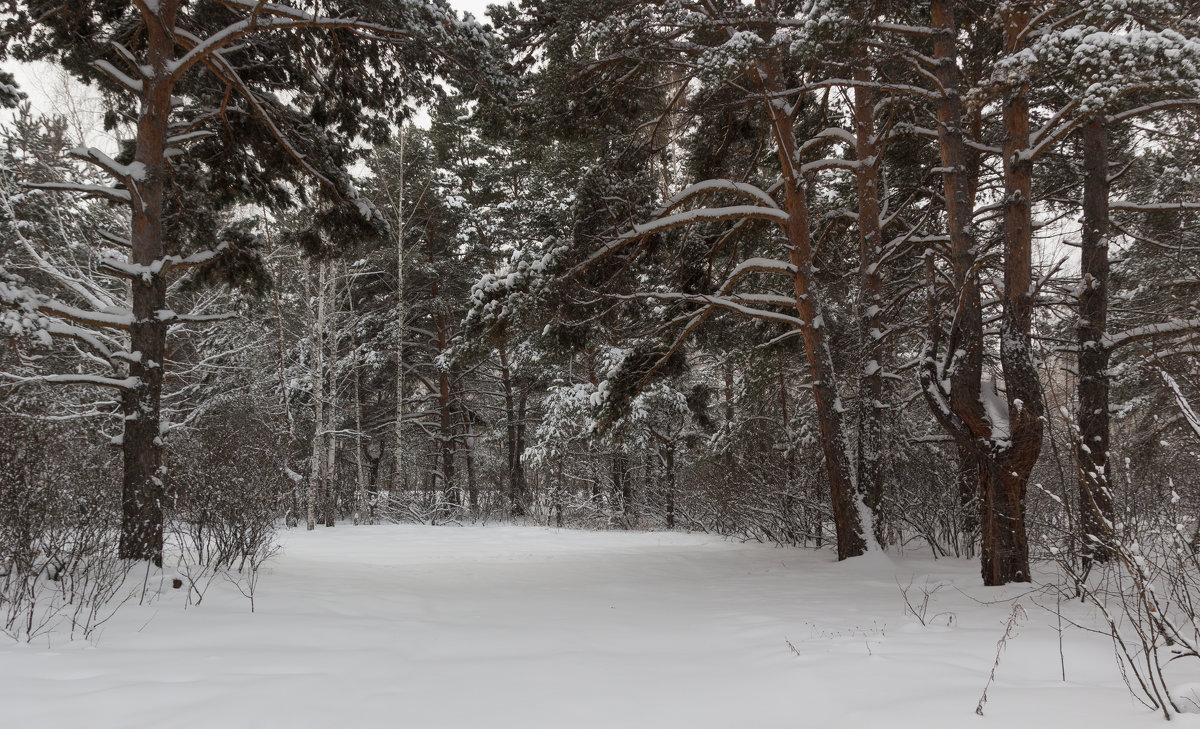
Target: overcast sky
{"points": [[477, 7]]}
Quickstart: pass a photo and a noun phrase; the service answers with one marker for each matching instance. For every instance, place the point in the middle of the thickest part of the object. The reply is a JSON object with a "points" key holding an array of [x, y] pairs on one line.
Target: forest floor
{"points": [[406, 626]]}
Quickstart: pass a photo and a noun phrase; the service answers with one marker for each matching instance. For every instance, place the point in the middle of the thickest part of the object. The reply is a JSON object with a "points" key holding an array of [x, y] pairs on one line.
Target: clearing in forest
{"points": [[408, 626]]}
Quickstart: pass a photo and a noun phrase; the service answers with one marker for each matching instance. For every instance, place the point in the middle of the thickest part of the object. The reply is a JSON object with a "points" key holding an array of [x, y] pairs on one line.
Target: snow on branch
{"points": [[281, 17], [124, 384], [130, 83], [1137, 334], [125, 173], [163, 265], [730, 303], [741, 189], [830, 163], [1129, 205], [669, 222], [1151, 108], [1193, 420], [114, 318], [166, 315], [761, 265], [189, 136], [63, 330], [112, 193]]}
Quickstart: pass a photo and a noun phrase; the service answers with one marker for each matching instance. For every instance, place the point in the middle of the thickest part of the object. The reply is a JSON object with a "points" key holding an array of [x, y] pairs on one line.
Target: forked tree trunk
{"points": [[1023, 388], [1091, 446], [1003, 451]]}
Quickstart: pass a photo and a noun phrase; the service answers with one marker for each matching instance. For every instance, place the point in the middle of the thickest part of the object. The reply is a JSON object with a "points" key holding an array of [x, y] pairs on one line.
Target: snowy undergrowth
{"points": [[506, 626]]}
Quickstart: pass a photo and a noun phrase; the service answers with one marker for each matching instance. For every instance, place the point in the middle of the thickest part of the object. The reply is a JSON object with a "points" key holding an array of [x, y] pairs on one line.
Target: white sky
{"points": [[477, 8]]}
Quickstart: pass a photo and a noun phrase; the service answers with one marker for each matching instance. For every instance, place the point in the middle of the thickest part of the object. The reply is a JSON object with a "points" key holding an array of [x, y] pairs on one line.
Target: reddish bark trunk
{"points": [[830, 413], [870, 282], [1023, 388], [1003, 460], [143, 491]]}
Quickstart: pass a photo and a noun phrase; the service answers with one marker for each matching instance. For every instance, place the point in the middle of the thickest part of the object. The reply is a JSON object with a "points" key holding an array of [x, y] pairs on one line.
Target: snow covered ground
{"points": [[527, 627]]}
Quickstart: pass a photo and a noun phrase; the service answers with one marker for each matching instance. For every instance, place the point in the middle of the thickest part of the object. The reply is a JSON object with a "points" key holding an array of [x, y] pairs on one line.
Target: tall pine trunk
{"points": [[514, 431], [1091, 446], [1002, 449], [447, 432], [872, 410], [142, 490], [328, 488], [1006, 556], [361, 509], [398, 476], [847, 517], [293, 479], [316, 380], [966, 371]]}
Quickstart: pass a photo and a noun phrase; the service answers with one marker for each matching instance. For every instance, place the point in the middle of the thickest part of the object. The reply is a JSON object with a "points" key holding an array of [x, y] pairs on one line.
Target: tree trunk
{"points": [[448, 430], [622, 487], [872, 411], [398, 475], [1091, 447], [361, 515], [374, 457], [968, 480], [966, 364], [328, 490], [293, 479], [556, 496], [1023, 388], [847, 517], [521, 481], [513, 429], [142, 489], [795, 536], [1003, 460], [1005, 554], [446, 441], [669, 476], [472, 487], [316, 374]]}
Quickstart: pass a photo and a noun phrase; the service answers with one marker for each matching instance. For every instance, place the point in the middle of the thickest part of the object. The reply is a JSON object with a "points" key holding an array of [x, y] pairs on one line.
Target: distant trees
{"points": [[849, 272], [837, 93], [211, 132]]}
